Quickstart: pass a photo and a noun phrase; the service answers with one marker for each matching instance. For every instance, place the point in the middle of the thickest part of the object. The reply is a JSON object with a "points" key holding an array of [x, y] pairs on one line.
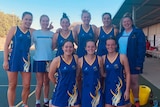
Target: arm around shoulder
{"points": [[54, 41], [75, 31]]}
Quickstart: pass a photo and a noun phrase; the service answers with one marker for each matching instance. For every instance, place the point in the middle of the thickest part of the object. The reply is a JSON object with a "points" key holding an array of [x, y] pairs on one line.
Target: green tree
{"points": [[6, 22]]}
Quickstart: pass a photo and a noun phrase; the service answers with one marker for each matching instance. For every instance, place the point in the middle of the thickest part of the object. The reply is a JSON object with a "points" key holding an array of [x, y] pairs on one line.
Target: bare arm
{"points": [[100, 61], [116, 31], [52, 69], [6, 47], [124, 61], [54, 41], [95, 32], [79, 75], [75, 33]]}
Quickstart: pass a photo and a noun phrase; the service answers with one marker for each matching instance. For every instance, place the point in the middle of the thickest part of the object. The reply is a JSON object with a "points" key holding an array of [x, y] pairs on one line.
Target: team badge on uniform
{"points": [[116, 66]]}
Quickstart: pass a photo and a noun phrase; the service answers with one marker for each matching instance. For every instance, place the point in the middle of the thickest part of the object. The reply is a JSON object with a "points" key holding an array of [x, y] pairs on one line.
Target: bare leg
{"points": [[46, 85], [39, 77], [76, 106], [12, 82], [26, 78], [108, 105], [134, 85]]}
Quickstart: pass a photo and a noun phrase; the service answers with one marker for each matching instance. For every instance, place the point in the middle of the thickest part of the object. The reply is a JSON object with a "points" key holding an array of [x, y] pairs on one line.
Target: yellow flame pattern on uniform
{"points": [[118, 94], [73, 97], [26, 64], [96, 98]]}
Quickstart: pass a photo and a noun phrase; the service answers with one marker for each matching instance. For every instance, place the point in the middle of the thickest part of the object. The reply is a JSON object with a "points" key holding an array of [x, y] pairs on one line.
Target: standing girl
{"points": [[42, 58], [104, 32], [91, 68], [62, 35], [17, 58], [84, 32], [116, 87], [132, 43], [66, 92]]}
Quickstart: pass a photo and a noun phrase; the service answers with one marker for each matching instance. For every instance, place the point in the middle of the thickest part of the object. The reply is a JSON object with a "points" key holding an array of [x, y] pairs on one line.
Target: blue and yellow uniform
{"points": [[115, 84], [103, 36], [60, 41], [66, 92], [91, 86], [83, 37], [19, 57]]}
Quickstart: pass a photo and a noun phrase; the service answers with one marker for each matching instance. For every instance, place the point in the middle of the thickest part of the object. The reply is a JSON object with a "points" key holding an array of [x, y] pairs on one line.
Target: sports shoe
{"points": [[46, 104], [38, 105]]}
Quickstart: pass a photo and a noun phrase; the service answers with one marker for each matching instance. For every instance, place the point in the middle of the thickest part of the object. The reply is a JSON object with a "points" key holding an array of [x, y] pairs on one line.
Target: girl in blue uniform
{"points": [[62, 35], [17, 58], [66, 93], [116, 86], [91, 68], [132, 43], [84, 32], [104, 32], [42, 58]]}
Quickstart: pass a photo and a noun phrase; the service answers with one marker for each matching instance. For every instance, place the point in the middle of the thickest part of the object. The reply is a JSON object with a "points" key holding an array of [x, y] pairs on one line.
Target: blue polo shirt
{"points": [[123, 41], [43, 45]]}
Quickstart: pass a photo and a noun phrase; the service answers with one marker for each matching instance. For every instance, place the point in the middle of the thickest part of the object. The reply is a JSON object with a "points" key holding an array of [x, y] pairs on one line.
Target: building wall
{"points": [[153, 32]]}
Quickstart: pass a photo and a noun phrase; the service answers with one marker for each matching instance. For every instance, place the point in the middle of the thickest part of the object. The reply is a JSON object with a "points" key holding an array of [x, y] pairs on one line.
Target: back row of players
{"points": [[131, 44]]}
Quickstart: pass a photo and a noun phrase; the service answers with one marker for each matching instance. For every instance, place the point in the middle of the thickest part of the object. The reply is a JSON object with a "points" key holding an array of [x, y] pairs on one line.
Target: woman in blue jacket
{"points": [[132, 43]]}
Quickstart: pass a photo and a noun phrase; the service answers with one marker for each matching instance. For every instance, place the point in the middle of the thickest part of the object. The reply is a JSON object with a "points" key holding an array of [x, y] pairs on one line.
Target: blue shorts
{"points": [[134, 71], [41, 66]]}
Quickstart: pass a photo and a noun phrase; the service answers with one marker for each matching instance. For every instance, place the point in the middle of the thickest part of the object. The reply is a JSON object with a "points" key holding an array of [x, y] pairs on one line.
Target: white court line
{"points": [[28, 96], [17, 85], [20, 86]]}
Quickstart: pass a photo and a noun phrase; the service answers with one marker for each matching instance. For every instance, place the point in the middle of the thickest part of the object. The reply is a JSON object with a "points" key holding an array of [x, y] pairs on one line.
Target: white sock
{"points": [[136, 99], [37, 101], [46, 100]]}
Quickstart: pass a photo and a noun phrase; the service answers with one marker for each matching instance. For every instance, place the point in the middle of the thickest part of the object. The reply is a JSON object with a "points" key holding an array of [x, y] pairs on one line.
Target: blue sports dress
{"points": [[19, 57], [66, 92], [103, 36], [91, 88], [60, 41], [83, 37], [115, 84]]}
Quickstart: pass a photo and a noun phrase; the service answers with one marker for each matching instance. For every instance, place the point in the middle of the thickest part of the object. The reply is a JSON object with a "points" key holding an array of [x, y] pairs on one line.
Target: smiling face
{"points": [[27, 21], [106, 19], [44, 21], [65, 23], [111, 45], [86, 17], [127, 23], [90, 47], [68, 48]]}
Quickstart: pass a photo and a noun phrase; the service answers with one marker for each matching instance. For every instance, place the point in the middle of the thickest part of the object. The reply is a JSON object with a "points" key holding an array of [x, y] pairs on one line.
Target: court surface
{"points": [[150, 77]]}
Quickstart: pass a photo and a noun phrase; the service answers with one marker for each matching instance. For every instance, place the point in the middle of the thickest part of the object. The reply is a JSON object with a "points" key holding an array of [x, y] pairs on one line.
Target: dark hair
{"points": [[25, 13], [90, 40], [85, 11], [64, 16], [43, 16], [112, 38], [67, 40], [106, 13]]}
